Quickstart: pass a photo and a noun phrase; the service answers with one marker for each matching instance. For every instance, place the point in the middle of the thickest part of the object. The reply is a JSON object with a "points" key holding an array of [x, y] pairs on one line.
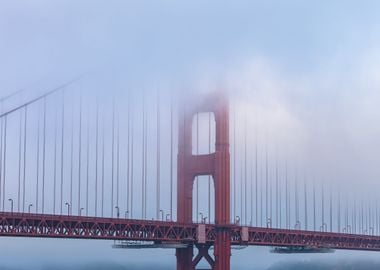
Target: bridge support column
{"points": [[216, 164], [185, 258], [222, 250]]}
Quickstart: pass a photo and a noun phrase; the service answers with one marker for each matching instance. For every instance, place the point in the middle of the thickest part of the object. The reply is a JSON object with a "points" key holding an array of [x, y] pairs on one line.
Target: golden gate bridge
{"points": [[72, 168]]}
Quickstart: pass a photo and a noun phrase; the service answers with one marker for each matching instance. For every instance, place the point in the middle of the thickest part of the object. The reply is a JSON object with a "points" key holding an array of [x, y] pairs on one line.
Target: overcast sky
{"points": [[304, 73]]}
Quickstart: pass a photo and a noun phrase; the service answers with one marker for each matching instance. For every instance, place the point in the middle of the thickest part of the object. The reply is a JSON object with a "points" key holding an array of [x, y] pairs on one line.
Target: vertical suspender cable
{"points": [[5, 158], [314, 208], [44, 159], [197, 178], [19, 163], [1, 156], [38, 162], [286, 196], [289, 203], [256, 181], [171, 159], [245, 171], [306, 205], [234, 183], [113, 158], [377, 218], [331, 211], [132, 162], [270, 202], [103, 166], [87, 166], [209, 177], [368, 217], [96, 156], [55, 161], [62, 148], [158, 184], [280, 205], [128, 154], [354, 223], [251, 163], [266, 185], [261, 196], [71, 162], [241, 187], [296, 201], [24, 167], [362, 218], [338, 211], [118, 161], [143, 160], [277, 195], [146, 164], [80, 155]]}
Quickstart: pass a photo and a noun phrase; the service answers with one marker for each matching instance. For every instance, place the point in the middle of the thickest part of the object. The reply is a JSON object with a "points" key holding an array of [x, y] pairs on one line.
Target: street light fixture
{"points": [[237, 220], [68, 208], [269, 222], [162, 214], [11, 200], [201, 214], [29, 207], [80, 211], [117, 211]]}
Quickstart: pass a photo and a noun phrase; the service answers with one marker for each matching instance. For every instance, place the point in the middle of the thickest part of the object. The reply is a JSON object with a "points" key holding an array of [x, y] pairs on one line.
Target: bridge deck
{"points": [[80, 227]]}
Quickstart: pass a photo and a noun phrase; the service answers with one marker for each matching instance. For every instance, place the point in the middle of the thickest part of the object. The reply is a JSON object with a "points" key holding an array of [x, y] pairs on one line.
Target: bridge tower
{"points": [[217, 165]]}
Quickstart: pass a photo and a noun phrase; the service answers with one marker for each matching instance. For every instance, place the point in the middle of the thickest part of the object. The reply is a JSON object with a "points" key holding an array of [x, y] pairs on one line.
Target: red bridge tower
{"points": [[215, 164]]}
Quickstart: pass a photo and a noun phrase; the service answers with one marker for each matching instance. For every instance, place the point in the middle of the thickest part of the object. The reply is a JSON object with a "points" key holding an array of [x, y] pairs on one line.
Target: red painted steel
{"points": [[79, 227], [221, 235], [216, 164]]}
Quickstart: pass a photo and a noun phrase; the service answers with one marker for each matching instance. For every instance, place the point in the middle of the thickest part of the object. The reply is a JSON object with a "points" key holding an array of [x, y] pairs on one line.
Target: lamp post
{"points": [[204, 220], [80, 211], [201, 214], [117, 211], [29, 207], [162, 214], [237, 220], [269, 222], [68, 208], [11, 200]]}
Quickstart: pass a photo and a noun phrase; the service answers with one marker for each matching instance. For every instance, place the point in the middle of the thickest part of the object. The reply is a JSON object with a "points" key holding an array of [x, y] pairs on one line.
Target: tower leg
{"points": [[222, 251], [185, 258]]}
